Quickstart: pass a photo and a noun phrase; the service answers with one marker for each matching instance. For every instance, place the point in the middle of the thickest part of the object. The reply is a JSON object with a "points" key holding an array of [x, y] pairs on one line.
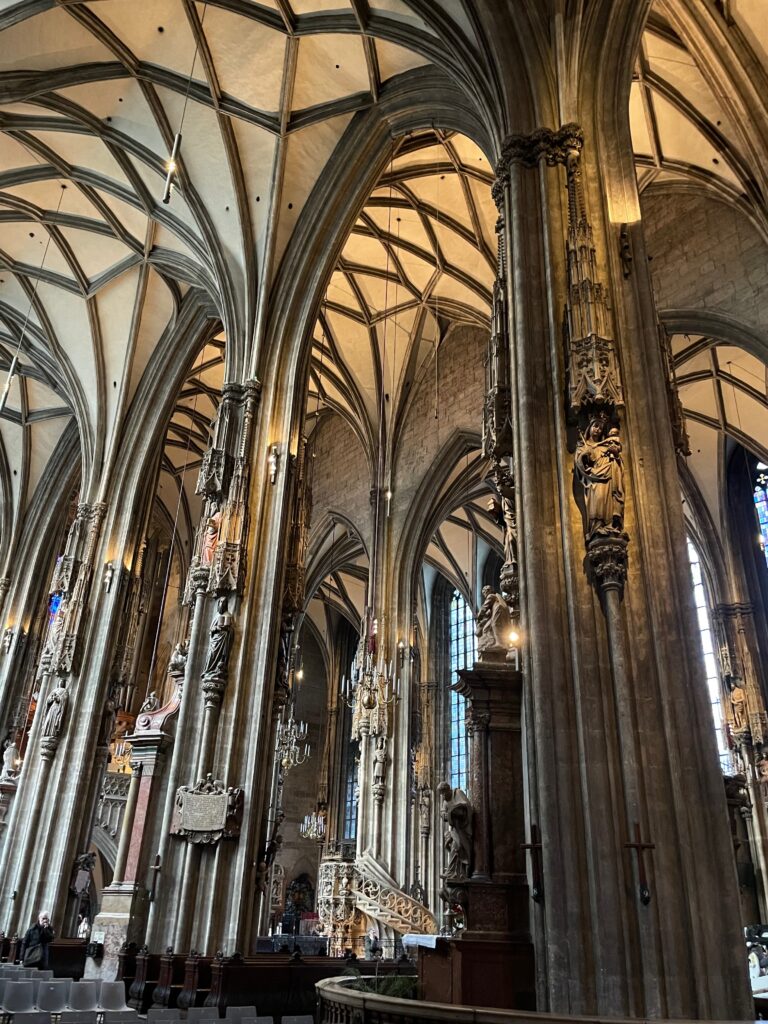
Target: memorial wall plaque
{"points": [[207, 812]]}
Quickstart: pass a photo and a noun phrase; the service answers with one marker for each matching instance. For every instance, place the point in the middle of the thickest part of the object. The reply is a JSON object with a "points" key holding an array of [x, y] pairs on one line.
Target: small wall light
{"points": [[273, 460], [109, 575]]}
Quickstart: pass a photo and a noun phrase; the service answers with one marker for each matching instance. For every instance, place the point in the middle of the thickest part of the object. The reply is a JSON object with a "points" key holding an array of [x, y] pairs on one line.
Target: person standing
{"points": [[36, 942]]}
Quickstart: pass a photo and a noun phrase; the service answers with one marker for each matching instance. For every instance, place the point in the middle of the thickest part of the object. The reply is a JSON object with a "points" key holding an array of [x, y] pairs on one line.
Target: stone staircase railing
{"points": [[346, 891]]}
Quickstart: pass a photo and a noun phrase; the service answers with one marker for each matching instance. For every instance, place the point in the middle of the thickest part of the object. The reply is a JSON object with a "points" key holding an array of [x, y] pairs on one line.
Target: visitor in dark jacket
{"points": [[36, 941]]}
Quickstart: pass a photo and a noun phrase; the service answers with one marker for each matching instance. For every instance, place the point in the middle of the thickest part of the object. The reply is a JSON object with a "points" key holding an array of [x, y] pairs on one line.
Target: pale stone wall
{"points": [[460, 396], [341, 480], [705, 255]]}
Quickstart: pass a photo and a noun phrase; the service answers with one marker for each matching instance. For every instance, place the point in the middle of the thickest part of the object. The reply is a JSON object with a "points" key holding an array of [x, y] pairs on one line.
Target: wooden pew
{"points": [[197, 981], [66, 958], [143, 987], [126, 964], [170, 979], [277, 984]]}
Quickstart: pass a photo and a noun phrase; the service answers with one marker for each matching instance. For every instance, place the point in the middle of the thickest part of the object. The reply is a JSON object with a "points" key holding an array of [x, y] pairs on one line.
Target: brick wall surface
{"points": [[460, 395], [706, 255], [341, 479]]}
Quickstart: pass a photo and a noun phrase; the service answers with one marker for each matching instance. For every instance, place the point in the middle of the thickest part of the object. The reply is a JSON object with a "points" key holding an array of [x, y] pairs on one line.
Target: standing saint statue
{"points": [[211, 536], [380, 761], [739, 707], [220, 644], [55, 707], [10, 757], [457, 815], [600, 471], [493, 624]]}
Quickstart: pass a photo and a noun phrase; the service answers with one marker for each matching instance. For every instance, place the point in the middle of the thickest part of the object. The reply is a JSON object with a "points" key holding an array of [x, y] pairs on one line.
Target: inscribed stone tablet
{"points": [[204, 812]]}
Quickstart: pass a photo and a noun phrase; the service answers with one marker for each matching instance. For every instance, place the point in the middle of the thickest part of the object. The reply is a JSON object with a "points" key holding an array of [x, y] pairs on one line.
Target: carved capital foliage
{"points": [[608, 559], [552, 146]]}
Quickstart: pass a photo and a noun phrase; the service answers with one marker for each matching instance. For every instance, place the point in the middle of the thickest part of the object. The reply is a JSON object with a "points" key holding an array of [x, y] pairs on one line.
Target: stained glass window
{"points": [[761, 505], [350, 796], [462, 653], [710, 658]]}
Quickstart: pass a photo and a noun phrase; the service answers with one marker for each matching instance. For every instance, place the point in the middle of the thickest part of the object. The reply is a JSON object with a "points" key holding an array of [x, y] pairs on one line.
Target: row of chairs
{"points": [[207, 1015], [32, 996], [61, 996]]}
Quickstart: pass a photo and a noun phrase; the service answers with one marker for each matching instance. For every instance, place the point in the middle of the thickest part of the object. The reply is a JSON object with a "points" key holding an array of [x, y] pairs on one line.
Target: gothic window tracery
{"points": [[761, 505], [714, 685], [461, 654]]}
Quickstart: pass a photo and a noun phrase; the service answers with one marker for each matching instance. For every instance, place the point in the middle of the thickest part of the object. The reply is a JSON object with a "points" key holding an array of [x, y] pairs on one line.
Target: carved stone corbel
{"points": [[608, 560]]}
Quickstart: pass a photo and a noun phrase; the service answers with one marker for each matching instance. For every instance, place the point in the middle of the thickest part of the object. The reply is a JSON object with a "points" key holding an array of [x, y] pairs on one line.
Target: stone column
{"points": [[619, 735], [124, 902]]}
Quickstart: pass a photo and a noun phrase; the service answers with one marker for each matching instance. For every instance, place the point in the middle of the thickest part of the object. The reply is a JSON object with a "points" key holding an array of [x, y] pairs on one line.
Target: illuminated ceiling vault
{"points": [[690, 135], [90, 98]]}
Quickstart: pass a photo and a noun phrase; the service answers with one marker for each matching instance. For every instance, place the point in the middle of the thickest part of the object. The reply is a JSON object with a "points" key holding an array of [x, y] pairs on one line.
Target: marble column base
{"points": [[118, 921]]}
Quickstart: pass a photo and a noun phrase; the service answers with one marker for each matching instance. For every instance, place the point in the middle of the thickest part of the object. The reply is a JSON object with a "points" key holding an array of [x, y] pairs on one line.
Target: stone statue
{"points": [[220, 644], [493, 624], [457, 815], [284, 651], [425, 810], [380, 761], [10, 757], [178, 661], [55, 708], [82, 873], [211, 536], [739, 706], [151, 702], [600, 471], [109, 717]]}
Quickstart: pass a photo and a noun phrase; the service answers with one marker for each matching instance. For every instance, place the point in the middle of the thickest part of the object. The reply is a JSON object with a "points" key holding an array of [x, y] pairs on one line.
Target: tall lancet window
{"points": [[710, 658], [462, 652], [349, 794], [761, 504]]}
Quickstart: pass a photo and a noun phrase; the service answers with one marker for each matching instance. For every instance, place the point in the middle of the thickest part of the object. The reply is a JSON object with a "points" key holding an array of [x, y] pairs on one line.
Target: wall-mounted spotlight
{"points": [[273, 461], [109, 575]]}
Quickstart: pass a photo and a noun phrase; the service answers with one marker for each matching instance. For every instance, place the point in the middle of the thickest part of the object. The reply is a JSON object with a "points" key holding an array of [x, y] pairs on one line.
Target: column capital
{"points": [[608, 558], [552, 145]]}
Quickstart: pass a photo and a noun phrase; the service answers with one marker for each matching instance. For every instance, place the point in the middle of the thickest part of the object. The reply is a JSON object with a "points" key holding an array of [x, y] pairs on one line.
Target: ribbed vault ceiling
{"points": [[692, 131], [684, 121], [724, 391], [91, 95], [420, 256], [187, 437]]}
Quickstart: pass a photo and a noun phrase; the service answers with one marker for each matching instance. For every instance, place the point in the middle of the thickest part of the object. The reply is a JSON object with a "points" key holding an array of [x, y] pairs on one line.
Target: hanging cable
{"points": [[172, 165], [15, 361], [437, 305]]}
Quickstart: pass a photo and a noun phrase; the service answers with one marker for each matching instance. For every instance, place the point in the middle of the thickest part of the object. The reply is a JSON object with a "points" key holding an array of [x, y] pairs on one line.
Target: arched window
{"points": [[462, 652], [710, 659], [761, 504], [349, 791]]}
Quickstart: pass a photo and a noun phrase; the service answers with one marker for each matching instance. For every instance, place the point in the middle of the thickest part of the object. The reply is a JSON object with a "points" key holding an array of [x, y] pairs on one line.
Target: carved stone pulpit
{"points": [[497, 891]]}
